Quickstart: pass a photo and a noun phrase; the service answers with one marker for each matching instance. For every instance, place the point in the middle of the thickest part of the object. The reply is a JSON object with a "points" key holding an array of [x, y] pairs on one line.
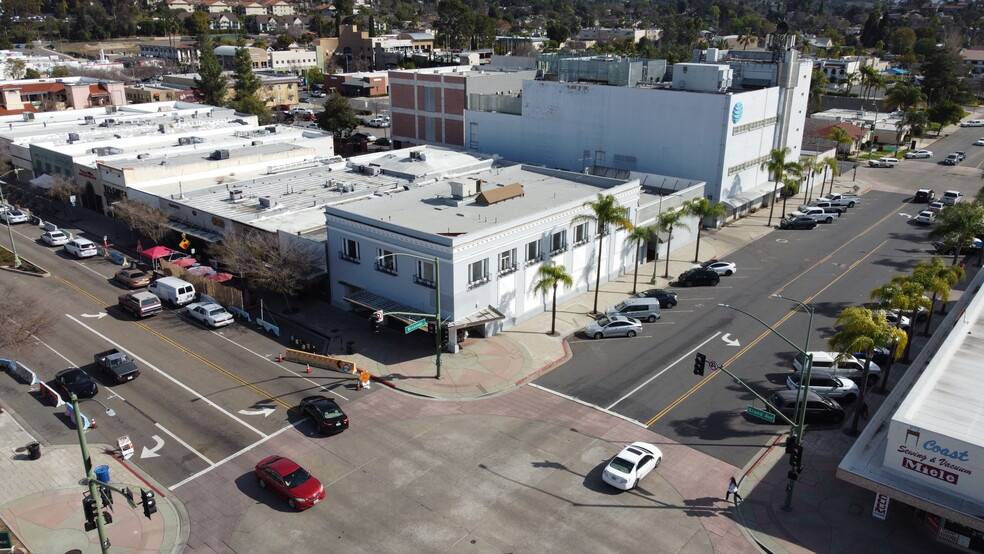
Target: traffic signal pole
{"points": [[90, 477]]}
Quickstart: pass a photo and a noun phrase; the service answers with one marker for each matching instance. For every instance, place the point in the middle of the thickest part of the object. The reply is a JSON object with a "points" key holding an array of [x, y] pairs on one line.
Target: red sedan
{"points": [[290, 481]]}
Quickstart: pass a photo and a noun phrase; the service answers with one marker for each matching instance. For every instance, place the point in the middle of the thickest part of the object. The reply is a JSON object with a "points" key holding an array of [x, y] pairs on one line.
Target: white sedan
{"points": [[210, 314], [613, 326], [979, 142], [919, 154], [14, 216], [634, 462], [719, 267], [54, 238], [925, 217]]}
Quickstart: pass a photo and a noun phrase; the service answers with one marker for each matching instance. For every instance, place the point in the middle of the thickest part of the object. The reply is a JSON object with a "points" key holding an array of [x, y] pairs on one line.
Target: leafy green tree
{"points": [[31, 73], [779, 167], [454, 23], [59, 71], [14, 68], [903, 97], [198, 24], [338, 117], [246, 84], [666, 223], [902, 294], [314, 76], [557, 31], [483, 31], [640, 236], [606, 213], [943, 79], [284, 41], [840, 137], [210, 84], [702, 209], [938, 279], [959, 224], [818, 87], [860, 330], [549, 277]]}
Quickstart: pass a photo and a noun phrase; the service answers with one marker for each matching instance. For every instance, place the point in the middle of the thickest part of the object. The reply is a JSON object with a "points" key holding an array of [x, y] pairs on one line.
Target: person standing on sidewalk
{"points": [[733, 489]]}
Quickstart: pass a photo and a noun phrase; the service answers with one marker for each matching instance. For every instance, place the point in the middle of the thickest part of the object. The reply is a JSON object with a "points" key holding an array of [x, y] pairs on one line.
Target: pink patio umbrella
{"points": [[201, 270], [219, 277], [185, 262]]}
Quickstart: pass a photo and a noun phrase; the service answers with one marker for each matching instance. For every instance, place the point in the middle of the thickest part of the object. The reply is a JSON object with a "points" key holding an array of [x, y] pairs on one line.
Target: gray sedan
{"points": [[613, 326]]}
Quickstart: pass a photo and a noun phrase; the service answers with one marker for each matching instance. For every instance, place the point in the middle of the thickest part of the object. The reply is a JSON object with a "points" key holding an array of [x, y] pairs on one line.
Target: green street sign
{"points": [[414, 326], [761, 414]]}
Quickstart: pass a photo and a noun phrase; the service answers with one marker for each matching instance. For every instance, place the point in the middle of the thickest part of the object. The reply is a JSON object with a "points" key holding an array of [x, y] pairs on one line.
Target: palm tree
{"points": [[903, 97], [550, 276], [818, 86], [747, 38], [834, 167], [790, 186], [605, 212], [868, 74], [902, 294], [666, 222], [778, 166], [960, 223], [640, 234], [702, 209], [839, 136], [808, 165], [861, 331], [852, 79], [937, 278]]}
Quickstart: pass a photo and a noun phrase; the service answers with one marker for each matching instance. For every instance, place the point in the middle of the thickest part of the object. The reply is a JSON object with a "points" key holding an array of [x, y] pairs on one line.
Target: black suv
{"points": [[667, 298], [698, 276], [924, 196]]}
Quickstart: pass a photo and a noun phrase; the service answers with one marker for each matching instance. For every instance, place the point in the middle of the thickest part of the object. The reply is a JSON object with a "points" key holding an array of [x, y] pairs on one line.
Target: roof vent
{"points": [[267, 202], [235, 194], [220, 154]]}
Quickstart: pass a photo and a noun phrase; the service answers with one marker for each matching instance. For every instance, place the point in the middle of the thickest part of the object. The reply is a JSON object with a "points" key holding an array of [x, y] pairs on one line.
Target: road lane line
{"points": [[112, 392], [168, 377], [667, 368], [588, 404], [184, 444]]}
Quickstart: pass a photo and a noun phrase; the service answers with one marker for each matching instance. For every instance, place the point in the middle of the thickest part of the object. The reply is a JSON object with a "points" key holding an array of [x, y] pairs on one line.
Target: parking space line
{"points": [[588, 404], [667, 368], [184, 444]]}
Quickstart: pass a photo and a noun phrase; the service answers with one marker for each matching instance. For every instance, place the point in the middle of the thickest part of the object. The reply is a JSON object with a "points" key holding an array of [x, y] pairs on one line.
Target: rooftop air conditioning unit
{"points": [[257, 143], [89, 120], [267, 201], [73, 137], [220, 155], [143, 156], [235, 194]]}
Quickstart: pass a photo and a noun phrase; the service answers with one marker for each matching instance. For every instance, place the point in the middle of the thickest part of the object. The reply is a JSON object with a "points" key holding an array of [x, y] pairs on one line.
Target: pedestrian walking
{"points": [[733, 489], [864, 410]]}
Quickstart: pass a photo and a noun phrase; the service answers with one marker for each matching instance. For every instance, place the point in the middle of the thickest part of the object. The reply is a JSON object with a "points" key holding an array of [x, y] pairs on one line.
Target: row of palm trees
{"points": [[607, 214], [791, 174]]}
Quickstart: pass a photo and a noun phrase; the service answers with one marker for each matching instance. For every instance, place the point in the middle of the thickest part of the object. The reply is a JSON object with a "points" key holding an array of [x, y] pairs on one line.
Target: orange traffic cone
{"points": [[280, 358], [308, 370]]}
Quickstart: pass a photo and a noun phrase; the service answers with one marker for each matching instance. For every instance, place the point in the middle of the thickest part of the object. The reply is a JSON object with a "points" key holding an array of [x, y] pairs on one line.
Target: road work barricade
{"points": [[317, 360]]}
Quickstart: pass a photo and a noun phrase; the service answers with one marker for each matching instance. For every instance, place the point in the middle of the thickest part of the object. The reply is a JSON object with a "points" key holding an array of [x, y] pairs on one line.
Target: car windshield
{"points": [[75, 378], [297, 478], [620, 306], [621, 465], [603, 321]]}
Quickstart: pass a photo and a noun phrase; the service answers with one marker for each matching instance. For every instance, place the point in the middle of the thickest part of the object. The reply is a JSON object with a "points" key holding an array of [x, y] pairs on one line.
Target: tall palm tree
{"points": [[818, 87], [747, 38], [960, 223], [666, 222], [550, 276], [903, 97], [640, 235], [861, 331], [778, 166], [937, 278], [839, 136], [830, 163], [867, 75], [702, 209], [606, 212], [790, 186], [904, 295], [809, 166], [852, 79]]}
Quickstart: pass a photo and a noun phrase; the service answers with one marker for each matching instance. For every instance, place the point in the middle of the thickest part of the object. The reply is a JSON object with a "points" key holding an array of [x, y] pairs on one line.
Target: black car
{"points": [[384, 142], [797, 223], [947, 247], [879, 356], [75, 381], [325, 413], [818, 407], [924, 196], [698, 276], [667, 298]]}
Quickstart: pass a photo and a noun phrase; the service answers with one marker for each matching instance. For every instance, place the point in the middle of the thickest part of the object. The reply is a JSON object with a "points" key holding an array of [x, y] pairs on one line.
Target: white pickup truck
{"points": [[847, 200], [819, 215]]}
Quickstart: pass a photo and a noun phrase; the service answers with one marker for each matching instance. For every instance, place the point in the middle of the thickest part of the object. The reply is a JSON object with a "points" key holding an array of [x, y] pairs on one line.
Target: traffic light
{"points": [[89, 507], [791, 443], [106, 495], [374, 320], [149, 504], [445, 334], [796, 456], [793, 474], [431, 328], [699, 362]]}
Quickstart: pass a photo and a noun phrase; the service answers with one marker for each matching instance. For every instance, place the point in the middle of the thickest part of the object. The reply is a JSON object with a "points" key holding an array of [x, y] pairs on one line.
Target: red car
{"points": [[290, 481]]}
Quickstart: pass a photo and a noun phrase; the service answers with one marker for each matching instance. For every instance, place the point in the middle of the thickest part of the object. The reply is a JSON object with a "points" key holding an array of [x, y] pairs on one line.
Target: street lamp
{"points": [[807, 368], [796, 429], [87, 462], [10, 233], [437, 314]]}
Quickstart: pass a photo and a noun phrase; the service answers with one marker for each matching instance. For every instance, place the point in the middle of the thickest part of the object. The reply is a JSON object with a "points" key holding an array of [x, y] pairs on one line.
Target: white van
{"points": [[643, 309], [848, 366], [972, 123], [173, 291]]}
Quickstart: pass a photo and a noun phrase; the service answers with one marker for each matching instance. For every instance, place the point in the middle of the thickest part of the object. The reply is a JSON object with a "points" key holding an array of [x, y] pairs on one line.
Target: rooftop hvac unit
{"points": [[374, 170], [267, 201], [415, 154], [162, 128], [257, 143], [235, 194], [89, 120], [73, 137], [271, 129], [110, 109], [143, 156], [220, 155], [28, 116]]}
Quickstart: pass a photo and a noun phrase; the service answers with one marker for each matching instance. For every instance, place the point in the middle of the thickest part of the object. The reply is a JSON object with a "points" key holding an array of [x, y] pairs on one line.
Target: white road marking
{"points": [[195, 393], [152, 452], [184, 444], [583, 403], [667, 368]]}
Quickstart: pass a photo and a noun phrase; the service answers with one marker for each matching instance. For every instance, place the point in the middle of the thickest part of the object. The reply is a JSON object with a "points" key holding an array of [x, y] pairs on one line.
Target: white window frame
{"points": [[581, 234], [558, 242], [533, 253], [478, 272], [426, 275], [507, 261], [350, 250]]}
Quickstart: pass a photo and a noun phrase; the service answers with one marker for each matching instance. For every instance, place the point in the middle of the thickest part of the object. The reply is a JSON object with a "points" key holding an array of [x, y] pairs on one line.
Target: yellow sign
{"points": [[184, 243]]}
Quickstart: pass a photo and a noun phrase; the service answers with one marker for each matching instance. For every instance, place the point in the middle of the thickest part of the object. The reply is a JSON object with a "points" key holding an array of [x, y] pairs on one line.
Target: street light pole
{"points": [[10, 233], [437, 315], [807, 369], [89, 475]]}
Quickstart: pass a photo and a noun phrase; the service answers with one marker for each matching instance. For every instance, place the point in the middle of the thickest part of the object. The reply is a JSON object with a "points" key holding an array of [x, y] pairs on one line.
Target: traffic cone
{"points": [[280, 358], [308, 370]]}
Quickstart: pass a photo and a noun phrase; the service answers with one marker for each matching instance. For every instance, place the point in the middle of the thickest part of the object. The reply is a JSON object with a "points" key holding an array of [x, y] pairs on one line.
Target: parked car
{"points": [[290, 481], [54, 238], [667, 298], [821, 215], [979, 142], [880, 355], [961, 155], [951, 197], [631, 465], [919, 154], [318, 94], [798, 223], [819, 408], [132, 278], [77, 382], [209, 313], [948, 246], [924, 196], [325, 413], [925, 217], [883, 162], [826, 205], [951, 159], [720, 267], [81, 248], [14, 216], [643, 309], [847, 366], [698, 276], [383, 142], [614, 326], [140, 304], [972, 123], [936, 206], [826, 384]]}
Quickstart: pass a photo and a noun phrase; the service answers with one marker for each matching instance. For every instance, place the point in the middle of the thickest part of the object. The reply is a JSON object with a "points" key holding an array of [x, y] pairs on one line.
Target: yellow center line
{"points": [[782, 320], [187, 351]]}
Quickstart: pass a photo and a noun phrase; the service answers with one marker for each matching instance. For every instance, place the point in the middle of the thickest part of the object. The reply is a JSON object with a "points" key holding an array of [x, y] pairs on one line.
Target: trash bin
{"points": [[350, 347], [102, 473], [34, 450]]}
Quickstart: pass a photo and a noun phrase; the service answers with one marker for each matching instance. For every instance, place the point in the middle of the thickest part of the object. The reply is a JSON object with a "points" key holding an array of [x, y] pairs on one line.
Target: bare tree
{"points": [[266, 262], [63, 189], [23, 320], [145, 219]]}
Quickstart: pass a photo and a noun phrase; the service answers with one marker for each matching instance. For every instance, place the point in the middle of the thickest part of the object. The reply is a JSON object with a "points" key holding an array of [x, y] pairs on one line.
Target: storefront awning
{"points": [[196, 232]]}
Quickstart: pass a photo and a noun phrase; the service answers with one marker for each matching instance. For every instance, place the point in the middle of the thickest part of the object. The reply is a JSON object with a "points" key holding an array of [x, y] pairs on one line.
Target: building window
{"points": [[425, 274], [558, 242], [581, 234], [507, 262], [349, 251], [385, 261], [478, 272], [532, 252]]}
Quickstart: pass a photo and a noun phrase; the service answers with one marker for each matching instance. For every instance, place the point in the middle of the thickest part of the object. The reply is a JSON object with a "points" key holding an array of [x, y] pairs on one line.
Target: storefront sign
{"points": [[881, 506], [935, 459]]}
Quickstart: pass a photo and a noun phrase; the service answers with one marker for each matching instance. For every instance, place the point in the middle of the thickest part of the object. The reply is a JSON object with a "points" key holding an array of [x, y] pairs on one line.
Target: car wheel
{"points": [[598, 335], [715, 282], [829, 220], [262, 483], [658, 460], [850, 205], [652, 319], [291, 503], [630, 334], [850, 398], [672, 304], [728, 273]]}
